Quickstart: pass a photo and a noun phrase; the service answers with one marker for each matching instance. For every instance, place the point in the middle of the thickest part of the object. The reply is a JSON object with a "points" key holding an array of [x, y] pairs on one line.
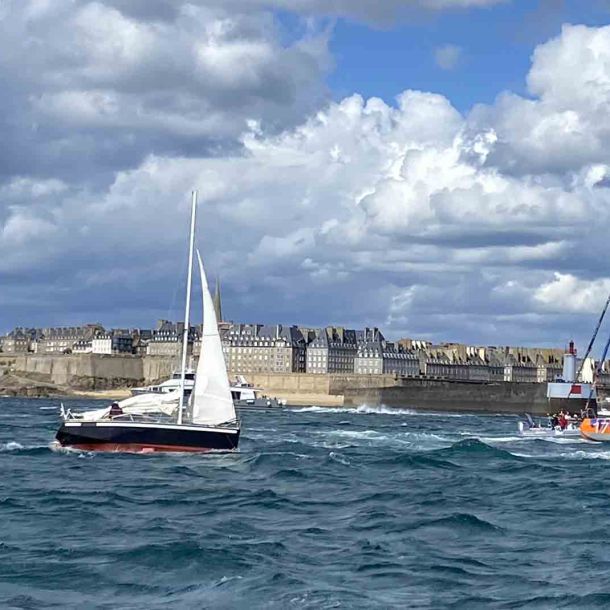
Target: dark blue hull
{"points": [[145, 437]]}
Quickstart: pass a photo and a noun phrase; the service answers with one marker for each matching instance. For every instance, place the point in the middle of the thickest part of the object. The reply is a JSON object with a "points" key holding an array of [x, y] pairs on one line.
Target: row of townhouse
{"points": [[91, 338], [375, 355], [258, 348], [473, 363]]}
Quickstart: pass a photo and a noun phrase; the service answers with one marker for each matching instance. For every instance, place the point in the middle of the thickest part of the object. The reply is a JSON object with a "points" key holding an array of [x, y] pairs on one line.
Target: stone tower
{"points": [[218, 302]]}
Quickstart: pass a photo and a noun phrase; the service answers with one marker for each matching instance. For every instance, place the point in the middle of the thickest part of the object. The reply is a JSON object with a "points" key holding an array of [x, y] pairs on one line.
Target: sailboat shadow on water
{"points": [[149, 423]]}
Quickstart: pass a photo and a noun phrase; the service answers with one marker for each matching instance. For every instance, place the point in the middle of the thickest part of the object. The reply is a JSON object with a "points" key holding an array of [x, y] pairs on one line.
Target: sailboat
{"points": [[150, 423]]}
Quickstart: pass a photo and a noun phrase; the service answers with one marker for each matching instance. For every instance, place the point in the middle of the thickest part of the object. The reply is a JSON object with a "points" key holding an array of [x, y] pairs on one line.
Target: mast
{"points": [[599, 323], [187, 309]]}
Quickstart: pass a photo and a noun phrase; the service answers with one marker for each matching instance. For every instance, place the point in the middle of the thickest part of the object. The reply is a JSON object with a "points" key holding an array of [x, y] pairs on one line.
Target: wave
{"points": [[386, 410], [499, 439], [55, 447], [584, 455], [362, 410], [474, 447], [336, 457], [424, 459], [463, 521], [11, 446], [16, 447]]}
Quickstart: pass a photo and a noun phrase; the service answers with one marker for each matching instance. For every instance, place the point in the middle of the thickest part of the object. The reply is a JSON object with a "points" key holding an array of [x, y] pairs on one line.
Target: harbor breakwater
{"points": [[35, 374], [415, 393], [441, 395]]}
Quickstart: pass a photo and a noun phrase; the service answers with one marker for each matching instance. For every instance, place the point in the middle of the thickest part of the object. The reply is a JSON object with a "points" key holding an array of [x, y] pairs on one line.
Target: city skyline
{"points": [[435, 168], [102, 329]]}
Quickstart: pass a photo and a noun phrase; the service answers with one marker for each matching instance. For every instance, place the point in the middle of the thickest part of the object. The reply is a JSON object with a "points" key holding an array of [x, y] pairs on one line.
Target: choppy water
{"points": [[319, 508]]}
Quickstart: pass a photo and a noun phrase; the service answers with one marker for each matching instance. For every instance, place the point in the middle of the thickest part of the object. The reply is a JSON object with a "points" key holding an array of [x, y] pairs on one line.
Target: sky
{"points": [[437, 168]]}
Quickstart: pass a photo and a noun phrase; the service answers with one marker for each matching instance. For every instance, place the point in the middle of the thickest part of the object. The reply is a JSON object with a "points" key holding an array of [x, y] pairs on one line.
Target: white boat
{"points": [[158, 421], [532, 429], [244, 394], [570, 432], [173, 384]]}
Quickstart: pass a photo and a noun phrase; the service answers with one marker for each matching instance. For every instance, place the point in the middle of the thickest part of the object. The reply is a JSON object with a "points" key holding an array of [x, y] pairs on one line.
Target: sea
{"points": [[319, 508]]}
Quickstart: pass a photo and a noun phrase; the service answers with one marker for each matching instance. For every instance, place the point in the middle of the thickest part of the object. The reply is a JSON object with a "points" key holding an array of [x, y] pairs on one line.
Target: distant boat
{"points": [[173, 384], [160, 422], [532, 429], [244, 394]]}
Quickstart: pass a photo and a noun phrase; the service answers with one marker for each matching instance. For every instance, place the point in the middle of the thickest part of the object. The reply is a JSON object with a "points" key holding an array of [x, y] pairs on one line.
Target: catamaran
{"points": [[168, 421]]}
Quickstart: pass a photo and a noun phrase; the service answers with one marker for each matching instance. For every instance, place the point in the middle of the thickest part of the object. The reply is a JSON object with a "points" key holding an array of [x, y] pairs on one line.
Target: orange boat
{"points": [[596, 429]]}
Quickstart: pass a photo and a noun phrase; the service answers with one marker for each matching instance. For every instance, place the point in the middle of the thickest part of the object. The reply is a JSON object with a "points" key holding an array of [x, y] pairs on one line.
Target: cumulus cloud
{"points": [[565, 125], [375, 11], [98, 85], [567, 293], [409, 215], [447, 56]]}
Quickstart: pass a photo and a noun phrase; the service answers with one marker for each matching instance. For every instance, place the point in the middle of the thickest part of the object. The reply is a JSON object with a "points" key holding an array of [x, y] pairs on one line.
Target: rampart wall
{"points": [[99, 372], [431, 394]]}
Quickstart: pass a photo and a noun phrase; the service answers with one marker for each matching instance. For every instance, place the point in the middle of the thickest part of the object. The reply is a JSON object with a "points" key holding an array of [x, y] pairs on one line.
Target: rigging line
{"points": [[599, 323], [597, 372], [589, 348], [179, 284]]}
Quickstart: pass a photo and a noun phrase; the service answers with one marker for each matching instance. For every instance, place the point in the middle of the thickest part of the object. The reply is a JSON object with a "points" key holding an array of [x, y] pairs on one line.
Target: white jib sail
{"points": [[211, 400]]}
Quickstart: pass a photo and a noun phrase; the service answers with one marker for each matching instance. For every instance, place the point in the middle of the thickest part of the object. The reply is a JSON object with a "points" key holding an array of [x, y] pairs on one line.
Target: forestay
{"points": [[211, 399]]}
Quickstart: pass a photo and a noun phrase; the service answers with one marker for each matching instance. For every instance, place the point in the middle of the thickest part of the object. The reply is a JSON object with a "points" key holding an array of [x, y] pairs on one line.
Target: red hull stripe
{"points": [[135, 447]]}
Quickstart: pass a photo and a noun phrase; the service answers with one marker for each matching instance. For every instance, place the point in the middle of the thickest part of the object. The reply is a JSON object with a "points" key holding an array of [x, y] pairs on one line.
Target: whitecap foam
{"points": [[335, 457], [57, 448], [362, 410], [499, 439], [580, 454], [11, 446]]}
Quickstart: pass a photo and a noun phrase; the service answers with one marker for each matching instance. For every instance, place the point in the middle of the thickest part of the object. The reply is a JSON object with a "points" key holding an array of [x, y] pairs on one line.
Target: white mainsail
{"points": [[211, 400], [151, 403], [141, 404]]}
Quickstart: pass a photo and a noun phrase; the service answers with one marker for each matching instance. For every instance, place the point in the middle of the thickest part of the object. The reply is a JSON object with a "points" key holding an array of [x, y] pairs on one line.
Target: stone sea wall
{"points": [[82, 371], [437, 395], [301, 383], [103, 372]]}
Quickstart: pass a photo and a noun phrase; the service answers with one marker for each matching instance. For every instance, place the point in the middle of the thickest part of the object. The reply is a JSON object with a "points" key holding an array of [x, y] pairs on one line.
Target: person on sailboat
{"points": [[115, 410]]}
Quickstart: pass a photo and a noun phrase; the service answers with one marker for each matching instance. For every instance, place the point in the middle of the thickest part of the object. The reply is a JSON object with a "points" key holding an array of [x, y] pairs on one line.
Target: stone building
{"points": [[141, 337], [113, 342], [83, 347], [434, 364], [548, 371], [61, 340], [197, 332], [17, 342], [520, 369], [478, 369], [258, 348], [332, 350], [495, 364], [166, 339], [375, 355]]}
